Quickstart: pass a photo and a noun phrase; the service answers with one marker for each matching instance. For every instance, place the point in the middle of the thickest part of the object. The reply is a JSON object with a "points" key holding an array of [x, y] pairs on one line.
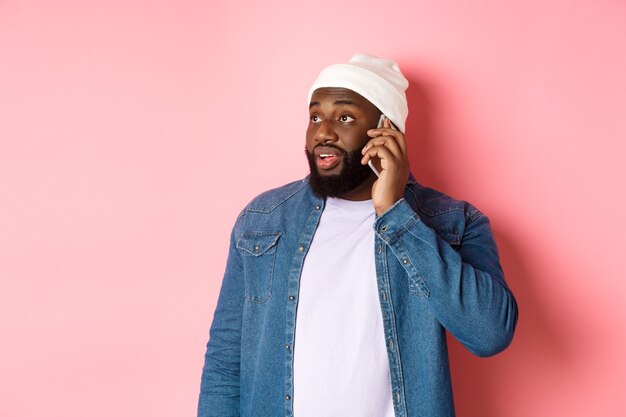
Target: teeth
{"points": [[326, 155]]}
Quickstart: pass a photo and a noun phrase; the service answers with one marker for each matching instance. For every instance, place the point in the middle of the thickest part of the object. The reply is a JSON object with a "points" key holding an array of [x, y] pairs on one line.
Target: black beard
{"points": [[352, 174]]}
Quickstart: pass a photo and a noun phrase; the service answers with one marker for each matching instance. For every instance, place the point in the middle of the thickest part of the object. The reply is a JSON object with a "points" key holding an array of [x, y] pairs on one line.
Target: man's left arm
{"points": [[465, 287]]}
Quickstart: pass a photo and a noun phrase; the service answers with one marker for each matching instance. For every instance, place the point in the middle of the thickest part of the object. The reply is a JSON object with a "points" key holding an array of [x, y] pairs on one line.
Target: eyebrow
{"points": [[342, 101]]}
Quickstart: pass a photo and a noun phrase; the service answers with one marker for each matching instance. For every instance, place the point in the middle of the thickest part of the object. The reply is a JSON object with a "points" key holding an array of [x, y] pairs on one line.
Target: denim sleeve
{"points": [[464, 287], [219, 389]]}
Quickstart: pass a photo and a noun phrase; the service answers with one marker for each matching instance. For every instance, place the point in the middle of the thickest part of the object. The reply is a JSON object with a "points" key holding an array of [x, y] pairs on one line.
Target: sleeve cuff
{"points": [[393, 222]]}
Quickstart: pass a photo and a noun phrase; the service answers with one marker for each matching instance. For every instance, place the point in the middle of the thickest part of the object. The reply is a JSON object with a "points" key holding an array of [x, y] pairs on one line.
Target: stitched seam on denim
{"points": [[251, 297], [446, 231], [438, 213], [398, 253], [312, 222], [421, 207], [419, 279], [253, 233], [256, 300], [400, 232], [270, 209], [423, 240], [394, 334], [475, 216], [238, 222], [414, 197]]}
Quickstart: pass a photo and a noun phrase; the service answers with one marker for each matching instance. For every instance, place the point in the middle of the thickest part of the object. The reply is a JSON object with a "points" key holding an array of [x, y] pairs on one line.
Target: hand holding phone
{"points": [[381, 122], [386, 155]]}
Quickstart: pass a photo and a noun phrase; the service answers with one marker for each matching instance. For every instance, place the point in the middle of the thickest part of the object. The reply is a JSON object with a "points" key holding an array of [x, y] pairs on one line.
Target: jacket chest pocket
{"points": [[258, 252]]}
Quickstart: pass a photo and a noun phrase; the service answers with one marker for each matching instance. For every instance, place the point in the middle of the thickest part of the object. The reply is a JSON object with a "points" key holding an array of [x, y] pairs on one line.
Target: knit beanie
{"points": [[378, 80]]}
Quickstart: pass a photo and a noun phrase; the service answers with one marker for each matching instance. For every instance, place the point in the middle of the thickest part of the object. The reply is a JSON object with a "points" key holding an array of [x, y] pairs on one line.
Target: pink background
{"points": [[133, 132]]}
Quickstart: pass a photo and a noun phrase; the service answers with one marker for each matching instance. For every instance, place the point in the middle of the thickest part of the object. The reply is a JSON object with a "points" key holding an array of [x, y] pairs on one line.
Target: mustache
{"points": [[312, 153], [329, 146], [345, 152]]}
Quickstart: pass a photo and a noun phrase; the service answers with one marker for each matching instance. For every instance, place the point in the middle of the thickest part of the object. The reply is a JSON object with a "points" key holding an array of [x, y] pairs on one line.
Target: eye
{"points": [[346, 119], [315, 119]]}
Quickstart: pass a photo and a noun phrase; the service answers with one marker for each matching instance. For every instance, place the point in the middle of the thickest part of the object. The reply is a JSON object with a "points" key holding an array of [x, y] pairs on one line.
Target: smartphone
{"points": [[380, 124]]}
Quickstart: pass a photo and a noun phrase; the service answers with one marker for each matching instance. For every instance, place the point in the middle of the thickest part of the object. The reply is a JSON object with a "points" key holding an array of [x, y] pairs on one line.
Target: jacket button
{"points": [[384, 228], [287, 347], [287, 397], [291, 298], [318, 207], [405, 261], [301, 249]]}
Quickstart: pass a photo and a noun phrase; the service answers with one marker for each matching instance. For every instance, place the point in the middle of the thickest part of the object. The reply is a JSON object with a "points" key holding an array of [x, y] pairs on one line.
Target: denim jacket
{"points": [[437, 270]]}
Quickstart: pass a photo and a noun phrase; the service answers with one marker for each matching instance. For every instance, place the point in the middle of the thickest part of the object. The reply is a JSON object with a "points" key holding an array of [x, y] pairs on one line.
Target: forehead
{"points": [[341, 95]]}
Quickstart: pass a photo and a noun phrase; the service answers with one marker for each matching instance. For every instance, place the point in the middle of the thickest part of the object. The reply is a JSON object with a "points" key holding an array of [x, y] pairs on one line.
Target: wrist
{"points": [[382, 207]]}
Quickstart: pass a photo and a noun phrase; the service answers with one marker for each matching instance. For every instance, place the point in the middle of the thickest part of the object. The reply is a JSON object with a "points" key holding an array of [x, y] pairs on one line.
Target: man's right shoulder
{"points": [[268, 201]]}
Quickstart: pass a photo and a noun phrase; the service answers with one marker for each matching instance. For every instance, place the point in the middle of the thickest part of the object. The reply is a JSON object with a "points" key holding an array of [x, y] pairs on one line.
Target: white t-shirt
{"points": [[340, 357]]}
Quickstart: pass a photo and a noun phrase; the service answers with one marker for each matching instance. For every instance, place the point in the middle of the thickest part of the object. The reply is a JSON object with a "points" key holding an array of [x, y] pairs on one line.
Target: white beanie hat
{"points": [[378, 80]]}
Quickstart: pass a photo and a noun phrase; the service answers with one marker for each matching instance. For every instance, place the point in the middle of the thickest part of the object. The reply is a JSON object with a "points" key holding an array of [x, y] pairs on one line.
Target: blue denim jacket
{"points": [[437, 269]]}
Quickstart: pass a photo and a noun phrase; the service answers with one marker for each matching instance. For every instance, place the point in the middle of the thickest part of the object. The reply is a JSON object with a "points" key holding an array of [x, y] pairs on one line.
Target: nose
{"points": [[325, 132]]}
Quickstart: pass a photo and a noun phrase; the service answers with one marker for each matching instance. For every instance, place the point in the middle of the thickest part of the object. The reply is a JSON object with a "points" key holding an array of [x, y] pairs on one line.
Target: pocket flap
{"points": [[258, 242]]}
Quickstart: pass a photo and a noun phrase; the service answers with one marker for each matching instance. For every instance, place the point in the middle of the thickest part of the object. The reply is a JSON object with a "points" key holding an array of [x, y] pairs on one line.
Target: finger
{"points": [[401, 139], [396, 134], [387, 141], [381, 152], [388, 130]]}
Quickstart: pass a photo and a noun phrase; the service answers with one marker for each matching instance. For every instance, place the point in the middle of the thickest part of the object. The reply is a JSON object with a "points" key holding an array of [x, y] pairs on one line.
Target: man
{"points": [[339, 288]]}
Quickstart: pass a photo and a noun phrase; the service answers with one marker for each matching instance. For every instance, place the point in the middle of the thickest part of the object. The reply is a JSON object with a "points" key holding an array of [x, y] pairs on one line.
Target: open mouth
{"points": [[328, 160]]}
